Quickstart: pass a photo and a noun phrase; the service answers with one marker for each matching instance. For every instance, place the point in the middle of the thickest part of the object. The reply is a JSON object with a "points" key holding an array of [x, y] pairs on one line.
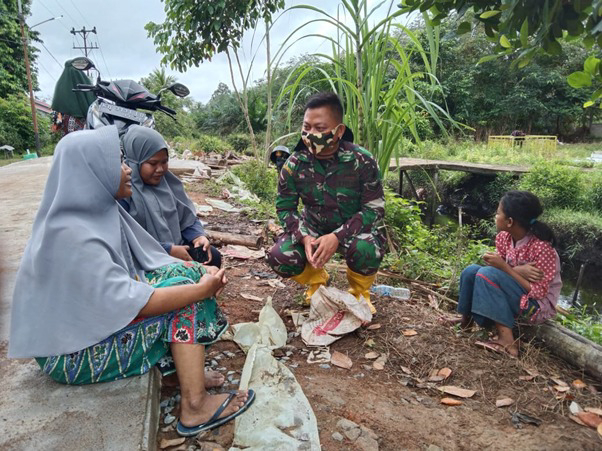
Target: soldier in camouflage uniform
{"points": [[343, 204]]}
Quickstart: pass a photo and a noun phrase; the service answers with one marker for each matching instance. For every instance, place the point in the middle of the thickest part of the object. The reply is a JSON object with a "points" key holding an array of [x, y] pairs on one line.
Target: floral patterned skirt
{"points": [[143, 343]]}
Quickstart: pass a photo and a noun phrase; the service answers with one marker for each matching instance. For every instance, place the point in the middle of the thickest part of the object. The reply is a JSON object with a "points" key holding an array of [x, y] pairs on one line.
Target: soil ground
{"points": [[399, 403]]}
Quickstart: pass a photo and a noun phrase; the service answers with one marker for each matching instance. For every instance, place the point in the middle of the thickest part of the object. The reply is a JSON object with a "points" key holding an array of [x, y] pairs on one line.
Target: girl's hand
{"points": [[215, 283], [530, 272], [202, 241], [180, 252], [493, 259]]}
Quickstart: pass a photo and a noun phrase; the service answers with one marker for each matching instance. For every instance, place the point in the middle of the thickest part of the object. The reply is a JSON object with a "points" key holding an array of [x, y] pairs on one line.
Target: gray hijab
{"points": [[163, 210], [77, 281]]}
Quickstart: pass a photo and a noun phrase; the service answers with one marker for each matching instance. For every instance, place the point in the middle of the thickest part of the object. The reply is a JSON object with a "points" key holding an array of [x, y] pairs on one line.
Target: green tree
{"points": [[525, 27], [183, 125], [13, 78], [193, 32], [493, 97]]}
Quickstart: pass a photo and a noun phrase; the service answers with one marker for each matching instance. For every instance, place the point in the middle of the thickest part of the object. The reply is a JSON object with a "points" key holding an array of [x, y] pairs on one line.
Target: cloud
{"points": [[126, 51]]}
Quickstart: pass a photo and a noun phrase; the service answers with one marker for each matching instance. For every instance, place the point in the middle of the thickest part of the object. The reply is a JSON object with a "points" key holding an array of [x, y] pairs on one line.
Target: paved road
{"points": [[36, 413]]}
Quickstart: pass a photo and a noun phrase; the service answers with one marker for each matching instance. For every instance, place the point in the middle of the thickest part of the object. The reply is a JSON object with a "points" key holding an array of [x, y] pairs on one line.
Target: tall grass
{"points": [[372, 72]]}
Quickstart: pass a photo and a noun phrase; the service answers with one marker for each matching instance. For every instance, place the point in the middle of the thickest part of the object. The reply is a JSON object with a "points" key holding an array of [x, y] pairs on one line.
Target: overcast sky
{"points": [[126, 51]]}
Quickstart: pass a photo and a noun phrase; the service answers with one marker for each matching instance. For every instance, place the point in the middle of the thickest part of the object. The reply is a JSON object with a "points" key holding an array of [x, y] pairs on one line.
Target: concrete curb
{"points": [[150, 425]]}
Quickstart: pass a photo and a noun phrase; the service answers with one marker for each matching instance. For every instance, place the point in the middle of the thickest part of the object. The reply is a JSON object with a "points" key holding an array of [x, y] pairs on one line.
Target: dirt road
{"points": [[399, 403]]}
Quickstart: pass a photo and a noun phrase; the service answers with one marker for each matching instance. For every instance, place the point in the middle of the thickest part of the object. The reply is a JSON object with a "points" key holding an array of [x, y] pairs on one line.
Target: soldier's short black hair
{"points": [[329, 99]]}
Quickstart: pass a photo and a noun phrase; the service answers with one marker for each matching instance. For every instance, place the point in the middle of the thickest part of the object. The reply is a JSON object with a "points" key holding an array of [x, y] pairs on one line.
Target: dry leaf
{"points": [[451, 402], [341, 360], [406, 370], [370, 343], [457, 391], [409, 332], [559, 382], [374, 326], [436, 378], [561, 388], [594, 410], [532, 372], [504, 402], [250, 297], [600, 430], [168, 443], [578, 383], [577, 420], [590, 419], [526, 378], [445, 372], [379, 364], [371, 355]]}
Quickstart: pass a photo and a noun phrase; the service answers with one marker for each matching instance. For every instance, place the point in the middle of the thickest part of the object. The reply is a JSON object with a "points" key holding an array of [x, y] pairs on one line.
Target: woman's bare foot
{"points": [[200, 410], [212, 379]]}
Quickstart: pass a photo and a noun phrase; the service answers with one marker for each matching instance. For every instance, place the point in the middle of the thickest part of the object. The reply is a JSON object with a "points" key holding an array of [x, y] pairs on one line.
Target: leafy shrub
{"points": [[579, 233], [556, 186], [239, 142], [593, 193], [208, 143], [436, 255], [259, 179]]}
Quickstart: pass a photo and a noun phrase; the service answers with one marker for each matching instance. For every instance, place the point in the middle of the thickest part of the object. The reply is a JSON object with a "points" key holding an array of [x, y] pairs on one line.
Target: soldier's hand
{"points": [[308, 243], [326, 247]]}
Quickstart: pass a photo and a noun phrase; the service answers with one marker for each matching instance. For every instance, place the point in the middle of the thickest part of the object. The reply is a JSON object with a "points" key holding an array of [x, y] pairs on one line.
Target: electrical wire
{"points": [[66, 12], [79, 12], [50, 53], [47, 71], [103, 59]]}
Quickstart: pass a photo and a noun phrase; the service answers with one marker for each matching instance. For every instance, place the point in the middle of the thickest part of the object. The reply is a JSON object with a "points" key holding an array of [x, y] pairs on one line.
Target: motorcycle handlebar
{"points": [[167, 109]]}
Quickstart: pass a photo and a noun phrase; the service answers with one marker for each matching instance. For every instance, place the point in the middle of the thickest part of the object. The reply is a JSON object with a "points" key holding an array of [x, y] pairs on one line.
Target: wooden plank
{"points": [[406, 164]]}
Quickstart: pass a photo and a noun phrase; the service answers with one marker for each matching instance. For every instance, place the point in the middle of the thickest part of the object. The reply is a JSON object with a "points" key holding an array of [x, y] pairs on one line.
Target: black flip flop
{"points": [[215, 420]]}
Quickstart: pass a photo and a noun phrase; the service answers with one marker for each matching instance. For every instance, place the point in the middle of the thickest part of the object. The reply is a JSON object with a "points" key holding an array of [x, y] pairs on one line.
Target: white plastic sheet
{"points": [[281, 417]]}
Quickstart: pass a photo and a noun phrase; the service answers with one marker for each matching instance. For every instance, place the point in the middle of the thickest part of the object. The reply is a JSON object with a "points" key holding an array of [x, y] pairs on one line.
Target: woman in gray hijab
{"points": [[159, 202], [97, 298]]}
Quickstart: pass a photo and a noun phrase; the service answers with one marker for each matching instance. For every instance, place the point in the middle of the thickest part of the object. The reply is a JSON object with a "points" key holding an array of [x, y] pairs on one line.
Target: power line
{"points": [[50, 53], [47, 71], [66, 12], [103, 60], [77, 9]]}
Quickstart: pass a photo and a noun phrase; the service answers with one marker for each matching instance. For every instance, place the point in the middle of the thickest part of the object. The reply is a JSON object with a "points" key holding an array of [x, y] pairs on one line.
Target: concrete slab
{"points": [[35, 412]]}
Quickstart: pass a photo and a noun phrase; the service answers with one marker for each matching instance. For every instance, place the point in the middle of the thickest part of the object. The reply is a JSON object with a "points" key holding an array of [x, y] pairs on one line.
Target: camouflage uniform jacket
{"points": [[342, 195]]}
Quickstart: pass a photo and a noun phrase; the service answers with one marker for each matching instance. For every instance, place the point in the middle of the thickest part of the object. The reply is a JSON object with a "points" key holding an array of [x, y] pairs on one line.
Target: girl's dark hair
{"points": [[524, 208]]}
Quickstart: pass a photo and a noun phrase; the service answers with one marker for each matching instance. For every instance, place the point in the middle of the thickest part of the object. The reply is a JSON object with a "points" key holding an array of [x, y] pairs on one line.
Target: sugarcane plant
{"points": [[371, 70]]}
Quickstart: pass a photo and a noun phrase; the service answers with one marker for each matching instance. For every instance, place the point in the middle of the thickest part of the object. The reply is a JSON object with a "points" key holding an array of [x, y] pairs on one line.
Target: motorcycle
{"points": [[117, 102]]}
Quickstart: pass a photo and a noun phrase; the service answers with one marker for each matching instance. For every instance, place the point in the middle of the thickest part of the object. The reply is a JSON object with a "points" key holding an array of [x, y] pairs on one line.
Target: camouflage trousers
{"points": [[363, 254]]}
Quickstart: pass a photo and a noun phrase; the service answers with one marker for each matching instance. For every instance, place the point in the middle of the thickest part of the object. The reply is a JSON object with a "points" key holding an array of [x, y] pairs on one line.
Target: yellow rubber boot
{"points": [[313, 277], [359, 285]]}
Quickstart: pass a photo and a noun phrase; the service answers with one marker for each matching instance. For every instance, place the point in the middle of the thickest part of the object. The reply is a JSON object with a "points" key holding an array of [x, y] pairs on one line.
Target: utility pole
{"points": [[29, 83], [84, 34]]}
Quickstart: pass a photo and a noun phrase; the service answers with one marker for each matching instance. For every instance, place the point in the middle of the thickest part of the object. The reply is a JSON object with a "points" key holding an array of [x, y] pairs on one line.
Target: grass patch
{"points": [[473, 152], [583, 322]]}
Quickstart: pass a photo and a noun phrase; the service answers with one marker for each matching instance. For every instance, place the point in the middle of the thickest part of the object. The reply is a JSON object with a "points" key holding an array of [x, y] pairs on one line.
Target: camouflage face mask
{"points": [[319, 142]]}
